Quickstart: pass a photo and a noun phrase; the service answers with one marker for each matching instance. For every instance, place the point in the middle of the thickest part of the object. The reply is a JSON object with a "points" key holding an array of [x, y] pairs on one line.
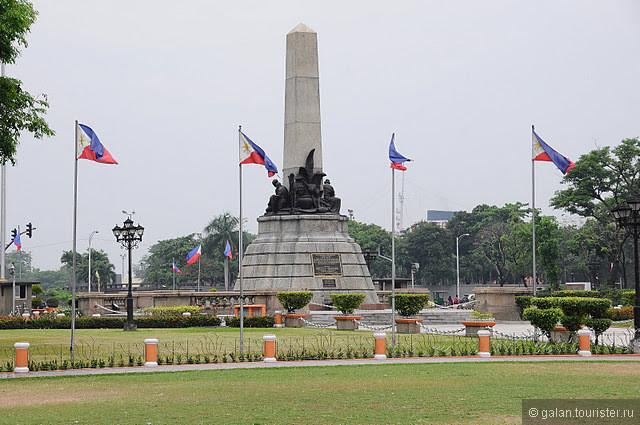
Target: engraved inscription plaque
{"points": [[326, 264], [328, 283]]}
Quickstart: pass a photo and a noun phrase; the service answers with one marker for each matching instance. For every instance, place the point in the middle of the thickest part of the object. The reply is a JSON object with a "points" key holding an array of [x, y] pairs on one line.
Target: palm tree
{"points": [[222, 228]]}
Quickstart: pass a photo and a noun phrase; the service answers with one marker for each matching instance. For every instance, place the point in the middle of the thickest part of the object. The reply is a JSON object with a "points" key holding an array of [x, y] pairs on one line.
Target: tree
{"points": [[432, 247], [157, 266], [21, 260], [20, 110], [602, 179], [99, 263], [373, 237]]}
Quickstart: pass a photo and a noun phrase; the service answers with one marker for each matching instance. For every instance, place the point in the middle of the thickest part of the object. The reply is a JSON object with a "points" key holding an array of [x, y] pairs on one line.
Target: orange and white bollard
{"points": [[279, 319], [186, 314], [381, 346], [151, 352], [26, 316], [22, 357], [483, 343], [585, 342], [269, 348]]}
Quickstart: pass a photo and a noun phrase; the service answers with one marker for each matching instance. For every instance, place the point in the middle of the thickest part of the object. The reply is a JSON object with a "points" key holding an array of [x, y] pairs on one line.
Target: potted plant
{"points": [[292, 301], [408, 305], [477, 321], [346, 304]]}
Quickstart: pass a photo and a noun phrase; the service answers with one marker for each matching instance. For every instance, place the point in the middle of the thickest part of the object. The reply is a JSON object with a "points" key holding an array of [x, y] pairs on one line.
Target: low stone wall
{"points": [[500, 301]]}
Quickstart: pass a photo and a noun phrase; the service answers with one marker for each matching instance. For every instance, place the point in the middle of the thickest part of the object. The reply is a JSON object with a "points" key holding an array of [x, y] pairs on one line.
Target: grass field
{"points": [[466, 393]]}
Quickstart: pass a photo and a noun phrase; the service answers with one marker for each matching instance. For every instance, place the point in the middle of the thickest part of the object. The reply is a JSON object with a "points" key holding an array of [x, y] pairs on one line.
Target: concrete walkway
{"points": [[316, 363]]}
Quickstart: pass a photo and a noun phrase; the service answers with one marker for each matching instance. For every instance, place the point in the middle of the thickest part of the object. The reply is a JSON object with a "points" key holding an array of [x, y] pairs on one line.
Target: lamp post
{"points": [[89, 276], [414, 269], [129, 236], [627, 215], [458, 263]]}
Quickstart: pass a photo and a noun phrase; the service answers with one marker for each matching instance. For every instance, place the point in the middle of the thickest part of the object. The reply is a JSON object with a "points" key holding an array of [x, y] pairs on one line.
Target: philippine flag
{"points": [[250, 153], [16, 240], [176, 269], [89, 146], [395, 157], [227, 251], [544, 152], [193, 256]]}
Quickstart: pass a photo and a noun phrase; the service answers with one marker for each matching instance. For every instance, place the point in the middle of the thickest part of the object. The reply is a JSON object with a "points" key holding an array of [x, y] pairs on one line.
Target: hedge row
{"points": [[108, 322], [624, 313], [252, 322], [577, 293]]}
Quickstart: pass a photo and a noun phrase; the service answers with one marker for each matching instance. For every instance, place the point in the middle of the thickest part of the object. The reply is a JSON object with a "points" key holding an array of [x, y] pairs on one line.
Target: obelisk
{"points": [[301, 101]]}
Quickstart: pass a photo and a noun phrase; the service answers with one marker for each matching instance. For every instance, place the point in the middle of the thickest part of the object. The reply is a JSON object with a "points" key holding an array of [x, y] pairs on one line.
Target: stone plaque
{"points": [[328, 283], [326, 264]]}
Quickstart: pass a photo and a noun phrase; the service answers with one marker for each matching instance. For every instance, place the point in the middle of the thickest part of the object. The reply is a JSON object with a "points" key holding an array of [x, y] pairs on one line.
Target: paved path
{"points": [[315, 363]]}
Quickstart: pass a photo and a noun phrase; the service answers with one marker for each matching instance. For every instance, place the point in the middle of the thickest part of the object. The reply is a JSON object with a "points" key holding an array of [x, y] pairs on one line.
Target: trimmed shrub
{"points": [[36, 303], [410, 304], [629, 298], [52, 302], [109, 322], [252, 322], [36, 289], [523, 302], [346, 303], [544, 303], [176, 310], [543, 319], [578, 293], [598, 326], [619, 314], [294, 300]]}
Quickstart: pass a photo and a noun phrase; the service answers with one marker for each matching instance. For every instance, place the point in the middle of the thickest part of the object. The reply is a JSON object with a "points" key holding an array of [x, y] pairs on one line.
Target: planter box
{"points": [[408, 326], [293, 320], [472, 327], [347, 323]]}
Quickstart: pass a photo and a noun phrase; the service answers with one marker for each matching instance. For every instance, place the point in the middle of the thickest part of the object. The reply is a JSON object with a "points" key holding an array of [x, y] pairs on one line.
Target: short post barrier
{"points": [[186, 314], [22, 357], [269, 348], [59, 315], [279, 319], [381, 345], [95, 315], [483, 343], [151, 352], [26, 316], [585, 342]]}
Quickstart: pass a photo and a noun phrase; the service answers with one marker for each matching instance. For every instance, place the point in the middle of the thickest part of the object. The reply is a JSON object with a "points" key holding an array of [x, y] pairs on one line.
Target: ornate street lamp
{"points": [[627, 215], [129, 236]]}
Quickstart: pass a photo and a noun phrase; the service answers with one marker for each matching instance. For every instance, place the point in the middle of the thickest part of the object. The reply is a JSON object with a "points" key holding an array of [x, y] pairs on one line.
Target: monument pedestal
{"points": [[306, 252]]}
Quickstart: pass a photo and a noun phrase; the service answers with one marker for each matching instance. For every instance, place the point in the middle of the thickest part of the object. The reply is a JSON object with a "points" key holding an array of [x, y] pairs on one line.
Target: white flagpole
{"points": [[393, 259], [240, 253], [199, 270], [3, 214], [173, 273], [75, 221], [533, 214]]}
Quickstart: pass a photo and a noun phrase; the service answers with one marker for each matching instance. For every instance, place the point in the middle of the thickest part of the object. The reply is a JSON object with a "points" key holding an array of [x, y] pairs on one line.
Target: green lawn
{"points": [[466, 393]]}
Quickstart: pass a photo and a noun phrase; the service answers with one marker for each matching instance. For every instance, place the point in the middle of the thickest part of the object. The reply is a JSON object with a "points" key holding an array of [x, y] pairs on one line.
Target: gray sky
{"points": [[166, 84]]}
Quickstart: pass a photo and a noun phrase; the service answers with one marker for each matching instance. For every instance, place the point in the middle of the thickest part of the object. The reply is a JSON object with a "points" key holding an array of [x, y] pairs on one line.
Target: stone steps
{"points": [[383, 317]]}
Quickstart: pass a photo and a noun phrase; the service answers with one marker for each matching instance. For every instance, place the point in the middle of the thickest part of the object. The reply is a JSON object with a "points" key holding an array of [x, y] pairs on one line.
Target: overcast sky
{"points": [[166, 84]]}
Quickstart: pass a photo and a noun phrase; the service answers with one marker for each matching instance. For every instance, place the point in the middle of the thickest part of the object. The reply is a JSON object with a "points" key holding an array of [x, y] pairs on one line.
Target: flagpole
{"points": [[226, 273], [199, 273], [240, 254], [533, 215], [75, 221], [393, 259], [173, 273], [3, 213]]}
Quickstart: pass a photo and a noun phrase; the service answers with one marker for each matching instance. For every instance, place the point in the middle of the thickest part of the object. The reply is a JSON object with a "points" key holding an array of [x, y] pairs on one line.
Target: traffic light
{"points": [[14, 233], [29, 229]]}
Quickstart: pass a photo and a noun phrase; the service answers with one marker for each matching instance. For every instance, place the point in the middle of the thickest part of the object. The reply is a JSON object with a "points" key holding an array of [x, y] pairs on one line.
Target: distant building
{"points": [[23, 297], [439, 217]]}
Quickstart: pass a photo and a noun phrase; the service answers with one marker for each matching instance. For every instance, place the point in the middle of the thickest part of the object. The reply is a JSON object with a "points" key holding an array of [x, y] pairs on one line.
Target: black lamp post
{"points": [[369, 254], [129, 236], [627, 215]]}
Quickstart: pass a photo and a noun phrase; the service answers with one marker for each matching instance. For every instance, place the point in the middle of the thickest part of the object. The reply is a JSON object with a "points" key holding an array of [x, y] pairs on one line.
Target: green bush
{"points": [[172, 311], [294, 300], [619, 314], [629, 298], [36, 289], [36, 303], [578, 293], [572, 322], [598, 326], [410, 304], [52, 302], [543, 319], [544, 303], [252, 322], [347, 303], [200, 320], [522, 302]]}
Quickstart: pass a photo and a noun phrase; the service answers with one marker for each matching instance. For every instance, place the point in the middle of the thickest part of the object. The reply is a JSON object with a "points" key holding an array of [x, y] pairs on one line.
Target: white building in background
{"points": [[441, 218]]}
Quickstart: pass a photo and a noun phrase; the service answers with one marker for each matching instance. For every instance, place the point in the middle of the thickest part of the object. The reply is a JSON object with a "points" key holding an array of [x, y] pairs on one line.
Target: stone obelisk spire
{"points": [[302, 101]]}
